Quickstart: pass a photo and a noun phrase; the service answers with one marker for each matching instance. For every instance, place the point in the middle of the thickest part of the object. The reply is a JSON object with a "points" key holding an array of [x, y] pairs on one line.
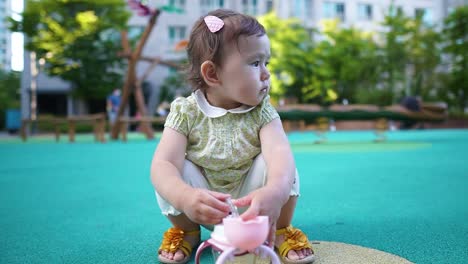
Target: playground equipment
{"points": [[142, 120], [236, 238], [132, 83]]}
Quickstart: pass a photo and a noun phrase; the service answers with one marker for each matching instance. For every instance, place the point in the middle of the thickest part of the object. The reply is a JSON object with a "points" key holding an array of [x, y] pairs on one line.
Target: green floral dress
{"points": [[222, 143]]}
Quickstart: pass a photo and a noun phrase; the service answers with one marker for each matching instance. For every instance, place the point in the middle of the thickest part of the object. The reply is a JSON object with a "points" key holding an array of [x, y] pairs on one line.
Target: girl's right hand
{"points": [[206, 207]]}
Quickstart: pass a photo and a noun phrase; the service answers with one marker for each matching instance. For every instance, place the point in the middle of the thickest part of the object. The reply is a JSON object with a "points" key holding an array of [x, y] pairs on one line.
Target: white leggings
{"points": [[255, 179]]}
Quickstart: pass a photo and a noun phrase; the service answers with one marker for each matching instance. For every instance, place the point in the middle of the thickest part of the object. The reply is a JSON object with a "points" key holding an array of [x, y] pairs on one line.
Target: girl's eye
{"points": [[256, 63], [266, 63]]}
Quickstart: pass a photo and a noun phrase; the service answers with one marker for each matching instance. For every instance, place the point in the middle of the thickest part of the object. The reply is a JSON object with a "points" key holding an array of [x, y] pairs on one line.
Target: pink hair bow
{"points": [[214, 23]]}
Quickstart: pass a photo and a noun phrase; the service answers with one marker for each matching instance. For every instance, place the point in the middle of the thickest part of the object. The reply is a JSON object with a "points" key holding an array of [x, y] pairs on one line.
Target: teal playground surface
{"points": [[93, 203]]}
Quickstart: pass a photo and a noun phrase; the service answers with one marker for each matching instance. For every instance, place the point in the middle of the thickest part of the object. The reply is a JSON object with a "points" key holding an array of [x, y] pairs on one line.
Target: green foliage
{"points": [[410, 55], [394, 54], [352, 56], [9, 93], [77, 41], [361, 67], [455, 33], [424, 57], [379, 97], [293, 61], [9, 89]]}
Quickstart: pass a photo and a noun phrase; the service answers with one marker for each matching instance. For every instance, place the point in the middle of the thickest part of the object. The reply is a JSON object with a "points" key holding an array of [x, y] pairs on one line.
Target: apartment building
{"points": [[172, 28], [5, 39]]}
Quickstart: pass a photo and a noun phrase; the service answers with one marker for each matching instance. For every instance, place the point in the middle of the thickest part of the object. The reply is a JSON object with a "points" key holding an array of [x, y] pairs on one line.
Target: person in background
{"points": [[413, 104], [112, 106]]}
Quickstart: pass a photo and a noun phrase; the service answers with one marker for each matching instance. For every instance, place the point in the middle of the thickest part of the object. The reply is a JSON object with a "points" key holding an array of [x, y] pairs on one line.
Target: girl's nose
{"points": [[265, 75]]}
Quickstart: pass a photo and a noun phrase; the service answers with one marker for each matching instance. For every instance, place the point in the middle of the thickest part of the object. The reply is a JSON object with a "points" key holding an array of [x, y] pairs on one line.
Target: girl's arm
{"points": [[201, 206], [281, 170], [168, 162], [279, 159]]}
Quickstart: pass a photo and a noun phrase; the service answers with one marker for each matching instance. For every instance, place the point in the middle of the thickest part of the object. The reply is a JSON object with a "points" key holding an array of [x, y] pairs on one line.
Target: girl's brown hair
{"points": [[204, 45]]}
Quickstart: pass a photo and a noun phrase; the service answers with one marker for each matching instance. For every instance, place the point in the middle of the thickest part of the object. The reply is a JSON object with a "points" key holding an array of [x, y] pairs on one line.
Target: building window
{"points": [[302, 9], [177, 4], [308, 8], [209, 5], [395, 10], [176, 34], [425, 14], [250, 7], [334, 10], [365, 12], [269, 6]]}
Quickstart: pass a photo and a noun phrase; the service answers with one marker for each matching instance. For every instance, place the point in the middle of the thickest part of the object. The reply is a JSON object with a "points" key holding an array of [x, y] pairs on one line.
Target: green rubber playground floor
{"points": [[93, 203]]}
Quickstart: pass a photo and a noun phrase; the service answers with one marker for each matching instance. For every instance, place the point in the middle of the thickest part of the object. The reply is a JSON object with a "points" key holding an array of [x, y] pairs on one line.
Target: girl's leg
{"points": [[181, 221], [287, 213], [257, 178], [285, 220], [192, 176]]}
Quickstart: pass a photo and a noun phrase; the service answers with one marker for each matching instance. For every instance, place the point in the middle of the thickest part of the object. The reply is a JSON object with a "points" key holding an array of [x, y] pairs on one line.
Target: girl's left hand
{"points": [[262, 201]]}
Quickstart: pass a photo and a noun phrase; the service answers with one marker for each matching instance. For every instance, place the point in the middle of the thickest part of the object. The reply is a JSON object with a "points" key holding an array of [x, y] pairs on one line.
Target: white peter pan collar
{"points": [[213, 111]]}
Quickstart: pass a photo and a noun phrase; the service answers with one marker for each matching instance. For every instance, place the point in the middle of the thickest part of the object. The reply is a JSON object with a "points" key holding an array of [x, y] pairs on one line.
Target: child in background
{"points": [[226, 141]]}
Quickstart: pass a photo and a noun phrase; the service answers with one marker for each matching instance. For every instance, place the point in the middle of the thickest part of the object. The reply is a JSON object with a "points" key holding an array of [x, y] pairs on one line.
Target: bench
{"points": [[381, 116], [98, 121]]}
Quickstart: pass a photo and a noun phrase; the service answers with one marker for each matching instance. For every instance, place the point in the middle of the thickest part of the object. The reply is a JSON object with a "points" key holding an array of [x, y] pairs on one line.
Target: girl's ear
{"points": [[209, 74]]}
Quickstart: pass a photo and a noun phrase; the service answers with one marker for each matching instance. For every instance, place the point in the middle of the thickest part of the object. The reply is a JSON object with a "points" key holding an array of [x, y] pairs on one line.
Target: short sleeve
{"points": [[267, 112], [178, 118]]}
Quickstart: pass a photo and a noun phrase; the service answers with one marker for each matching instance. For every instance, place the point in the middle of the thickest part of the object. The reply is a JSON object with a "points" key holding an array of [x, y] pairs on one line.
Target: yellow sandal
{"points": [[294, 239], [173, 240]]}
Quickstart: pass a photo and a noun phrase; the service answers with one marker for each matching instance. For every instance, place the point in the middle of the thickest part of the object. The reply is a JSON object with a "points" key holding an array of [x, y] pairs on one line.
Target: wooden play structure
{"points": [[132, 83], [142, 121]]}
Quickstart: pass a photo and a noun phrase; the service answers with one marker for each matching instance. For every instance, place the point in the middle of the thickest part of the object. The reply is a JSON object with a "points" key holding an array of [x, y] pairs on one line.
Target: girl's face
{"points": [[244, 77]]}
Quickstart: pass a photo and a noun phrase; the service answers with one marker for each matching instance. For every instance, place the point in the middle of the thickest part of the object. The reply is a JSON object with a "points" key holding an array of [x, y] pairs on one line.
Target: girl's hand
{"points": [[206, 207], [262, 202]]}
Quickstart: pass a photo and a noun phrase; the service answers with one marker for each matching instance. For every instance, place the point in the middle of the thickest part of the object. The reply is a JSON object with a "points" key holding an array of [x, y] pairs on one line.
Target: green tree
{"points": [[410, 55], [394, 54], [293, 63], [424, 56], [78, 40], [9, 93], [351, 55], [456, 46]]}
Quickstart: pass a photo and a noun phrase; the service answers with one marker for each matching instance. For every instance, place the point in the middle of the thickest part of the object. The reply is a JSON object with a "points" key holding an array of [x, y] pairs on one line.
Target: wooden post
{"points": [[24, 127], [381, 126], [322, 127], [123, 127], [102, 129], [57, 130], [95, 130], [71, 130]]}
